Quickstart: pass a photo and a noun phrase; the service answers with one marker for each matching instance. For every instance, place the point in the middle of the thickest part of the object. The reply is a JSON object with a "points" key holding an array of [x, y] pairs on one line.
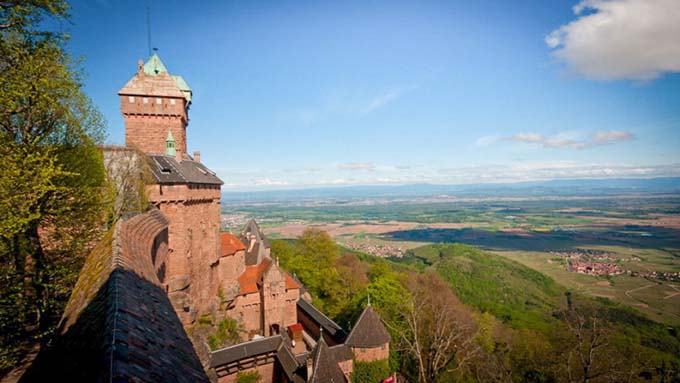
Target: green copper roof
{"points": [[154, 66], [170, 145], [183, 86]]}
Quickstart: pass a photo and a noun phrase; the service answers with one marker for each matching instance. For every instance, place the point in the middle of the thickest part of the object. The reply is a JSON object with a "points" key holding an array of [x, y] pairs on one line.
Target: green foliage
{"points": [[52, 181], [514, 293], [248, 377], [227, 333], [312, 259], [370, 372]]}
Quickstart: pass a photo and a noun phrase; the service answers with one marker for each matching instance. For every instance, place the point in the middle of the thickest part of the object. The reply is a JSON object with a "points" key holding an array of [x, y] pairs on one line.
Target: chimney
{"points": [[140, 66], [310, 368], [197, 156]]}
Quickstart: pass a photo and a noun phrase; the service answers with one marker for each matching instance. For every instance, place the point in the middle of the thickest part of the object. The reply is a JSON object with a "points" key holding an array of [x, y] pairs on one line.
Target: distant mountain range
{"points": [[557, 188]]}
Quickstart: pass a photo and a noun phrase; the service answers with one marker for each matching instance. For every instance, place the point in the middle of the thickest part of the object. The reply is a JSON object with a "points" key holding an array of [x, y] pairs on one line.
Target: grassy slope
{"points": [[514, 293], [524, 298]]}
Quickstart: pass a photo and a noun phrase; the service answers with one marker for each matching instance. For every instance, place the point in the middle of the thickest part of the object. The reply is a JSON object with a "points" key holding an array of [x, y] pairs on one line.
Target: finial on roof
{"points": [[369, 298], [140, 65], [170, 145]]}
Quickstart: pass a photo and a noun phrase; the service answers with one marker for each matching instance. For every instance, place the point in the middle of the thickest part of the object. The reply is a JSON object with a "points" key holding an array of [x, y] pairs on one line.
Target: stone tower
{"points": [[154, 103], [155, 107]]}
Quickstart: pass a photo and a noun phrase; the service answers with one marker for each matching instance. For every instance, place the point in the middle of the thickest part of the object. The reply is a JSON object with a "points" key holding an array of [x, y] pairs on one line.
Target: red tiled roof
{"points": [[290, 283], [251, 276], [295, 328], [230, 244]]}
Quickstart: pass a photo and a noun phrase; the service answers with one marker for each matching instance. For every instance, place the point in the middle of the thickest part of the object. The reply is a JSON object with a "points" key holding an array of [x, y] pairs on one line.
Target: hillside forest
{"points": [[458, 313]]}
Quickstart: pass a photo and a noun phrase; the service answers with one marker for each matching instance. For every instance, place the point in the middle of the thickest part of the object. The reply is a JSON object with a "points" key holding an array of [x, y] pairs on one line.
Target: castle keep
{"points": [[145, 287]]}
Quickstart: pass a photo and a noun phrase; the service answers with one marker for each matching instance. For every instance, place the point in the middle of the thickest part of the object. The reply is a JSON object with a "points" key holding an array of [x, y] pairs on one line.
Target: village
{"points": [[601, 263]]}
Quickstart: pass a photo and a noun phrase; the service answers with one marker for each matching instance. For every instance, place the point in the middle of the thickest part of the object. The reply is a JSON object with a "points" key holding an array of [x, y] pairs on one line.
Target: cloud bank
{"points": [[562, 141], [620, 39]]}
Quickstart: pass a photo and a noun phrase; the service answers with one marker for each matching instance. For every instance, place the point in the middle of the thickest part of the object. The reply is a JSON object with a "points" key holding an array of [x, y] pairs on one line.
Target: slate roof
{"points": [[167, 170], [287, 360], [256, 251], [230, 244], [244, 350], [369, 331], [119, 325], [328, 326], [326, 368], [341, 353]]}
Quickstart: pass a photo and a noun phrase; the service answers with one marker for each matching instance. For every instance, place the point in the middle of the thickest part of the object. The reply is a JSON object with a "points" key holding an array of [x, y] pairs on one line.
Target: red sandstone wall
{"points": [[290, 310], [141, 239], [247, 311], [192, 273], [147, 124], [371, 354], [266, 374], [229, 268]]}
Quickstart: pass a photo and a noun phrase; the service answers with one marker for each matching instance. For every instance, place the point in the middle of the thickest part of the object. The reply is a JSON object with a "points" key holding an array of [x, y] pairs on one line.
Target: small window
{"points": [[158, 101], [131, 98], [145, 100], [172, 101]]}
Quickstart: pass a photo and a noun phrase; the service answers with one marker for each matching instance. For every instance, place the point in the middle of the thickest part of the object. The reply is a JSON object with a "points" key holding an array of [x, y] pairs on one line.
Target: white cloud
{"points": [[385, 98], [611, 136], [270, 182], [564, 141], [359, 166], [486, 140], [620, 39]]}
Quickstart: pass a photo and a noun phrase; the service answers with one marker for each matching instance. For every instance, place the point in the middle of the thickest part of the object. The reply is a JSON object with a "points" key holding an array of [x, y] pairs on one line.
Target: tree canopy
{"points": [[52, 179]]}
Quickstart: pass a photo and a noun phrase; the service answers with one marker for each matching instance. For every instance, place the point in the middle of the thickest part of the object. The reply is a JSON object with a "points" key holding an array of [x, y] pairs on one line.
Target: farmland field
{"points": [[640, 236]]}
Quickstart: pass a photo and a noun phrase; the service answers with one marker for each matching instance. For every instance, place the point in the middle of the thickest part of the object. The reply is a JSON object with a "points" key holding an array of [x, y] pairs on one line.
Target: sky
{"points": [[297, 94]]}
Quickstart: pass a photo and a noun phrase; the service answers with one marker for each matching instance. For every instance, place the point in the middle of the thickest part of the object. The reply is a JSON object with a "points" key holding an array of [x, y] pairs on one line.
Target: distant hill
{"points": [[556, 188]]}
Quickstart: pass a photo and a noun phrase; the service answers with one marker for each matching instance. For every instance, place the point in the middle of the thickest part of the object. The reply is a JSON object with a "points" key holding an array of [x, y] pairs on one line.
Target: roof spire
{"points": [[170, 145], [369, 297]]}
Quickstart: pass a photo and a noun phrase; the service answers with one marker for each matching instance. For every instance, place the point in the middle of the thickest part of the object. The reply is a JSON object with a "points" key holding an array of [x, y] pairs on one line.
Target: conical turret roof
{"points": [[369, 331]]}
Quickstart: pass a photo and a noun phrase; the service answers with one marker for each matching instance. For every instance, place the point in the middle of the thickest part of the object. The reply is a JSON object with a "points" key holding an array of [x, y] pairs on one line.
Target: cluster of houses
{"points": [[378, 250]]}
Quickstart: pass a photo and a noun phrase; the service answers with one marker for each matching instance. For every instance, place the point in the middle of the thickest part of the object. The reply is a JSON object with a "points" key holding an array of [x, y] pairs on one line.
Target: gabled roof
{"points": [[331, 328], [256, 251], [251, 276], [244, 350], [230, 244], [369, 331], [166, 170], [291, 284], [325, 367]]}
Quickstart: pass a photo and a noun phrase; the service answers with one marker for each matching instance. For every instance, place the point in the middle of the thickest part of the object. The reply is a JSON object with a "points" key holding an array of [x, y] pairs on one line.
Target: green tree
{"points": [[370, 372], [312, 259], [52, 179]]}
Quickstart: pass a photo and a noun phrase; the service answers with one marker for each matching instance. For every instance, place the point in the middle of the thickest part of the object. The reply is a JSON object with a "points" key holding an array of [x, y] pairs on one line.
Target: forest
{"points": [[458, 313]]}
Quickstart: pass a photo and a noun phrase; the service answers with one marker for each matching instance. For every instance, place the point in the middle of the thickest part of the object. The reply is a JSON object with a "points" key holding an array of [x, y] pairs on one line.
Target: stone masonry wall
{"points": [[147, 123], [192, 277], [371, 354]]}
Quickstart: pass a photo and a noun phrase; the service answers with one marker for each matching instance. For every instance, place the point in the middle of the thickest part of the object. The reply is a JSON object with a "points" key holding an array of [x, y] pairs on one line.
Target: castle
{"points": [[159, 272]]}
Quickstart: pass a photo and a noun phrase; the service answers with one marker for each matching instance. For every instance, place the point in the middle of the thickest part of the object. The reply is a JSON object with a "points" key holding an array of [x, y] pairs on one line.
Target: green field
{"points": [[659, 300]]}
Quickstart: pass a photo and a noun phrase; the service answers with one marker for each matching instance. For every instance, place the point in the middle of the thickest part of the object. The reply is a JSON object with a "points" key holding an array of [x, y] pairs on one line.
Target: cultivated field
{"points": [[640, 236]]}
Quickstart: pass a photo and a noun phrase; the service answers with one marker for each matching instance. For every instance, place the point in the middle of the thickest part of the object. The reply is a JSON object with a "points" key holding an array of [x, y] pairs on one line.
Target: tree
{"points": [[438, 332], [312, 259], [52, 178]]}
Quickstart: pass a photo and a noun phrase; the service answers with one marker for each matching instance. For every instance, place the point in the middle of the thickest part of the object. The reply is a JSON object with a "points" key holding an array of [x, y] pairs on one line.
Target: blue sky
{"points": [[301, 94]]}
